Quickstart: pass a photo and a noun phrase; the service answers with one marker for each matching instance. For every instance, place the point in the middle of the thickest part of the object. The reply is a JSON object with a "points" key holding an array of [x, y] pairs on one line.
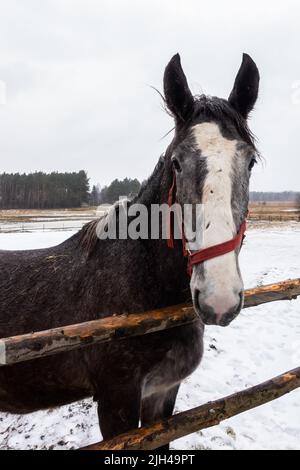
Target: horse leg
{"points": [[118, 410], [159, 406]]}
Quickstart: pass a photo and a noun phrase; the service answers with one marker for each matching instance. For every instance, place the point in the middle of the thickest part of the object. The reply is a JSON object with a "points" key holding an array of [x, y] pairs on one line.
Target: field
{"points": [[46, 220], [274, 211], [65, 219], [262, 342]]}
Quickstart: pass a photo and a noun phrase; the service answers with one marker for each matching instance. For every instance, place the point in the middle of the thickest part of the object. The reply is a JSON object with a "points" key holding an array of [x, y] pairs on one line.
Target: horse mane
{"points": [[147, 186], [87, 237]]}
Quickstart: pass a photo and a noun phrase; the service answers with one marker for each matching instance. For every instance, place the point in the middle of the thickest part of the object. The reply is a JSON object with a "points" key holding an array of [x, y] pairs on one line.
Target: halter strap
{"points": [[207, 253], [218, 250], [171, 199]]}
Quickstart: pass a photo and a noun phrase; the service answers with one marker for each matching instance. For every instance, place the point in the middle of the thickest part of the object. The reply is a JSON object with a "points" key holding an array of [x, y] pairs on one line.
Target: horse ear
{"points": [[178, 96], [245, 91]]}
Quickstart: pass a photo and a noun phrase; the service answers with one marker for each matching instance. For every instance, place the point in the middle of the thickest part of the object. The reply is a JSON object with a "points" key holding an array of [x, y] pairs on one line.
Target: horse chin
{"points": [[213, 319], [226, 321]]}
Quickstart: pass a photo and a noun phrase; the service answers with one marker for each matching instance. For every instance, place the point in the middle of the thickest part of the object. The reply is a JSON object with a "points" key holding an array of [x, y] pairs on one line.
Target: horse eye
{"points": [[252, 163], [176, 165]]}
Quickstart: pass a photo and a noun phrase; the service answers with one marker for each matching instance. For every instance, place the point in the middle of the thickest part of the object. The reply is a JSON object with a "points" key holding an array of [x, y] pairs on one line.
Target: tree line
{"points": [[118, 188], [43, 191], [65, 190], [59, 190]]}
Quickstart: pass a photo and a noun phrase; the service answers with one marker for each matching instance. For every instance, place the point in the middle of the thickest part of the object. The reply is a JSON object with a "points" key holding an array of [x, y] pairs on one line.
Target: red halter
{"points": [[207, 253]]}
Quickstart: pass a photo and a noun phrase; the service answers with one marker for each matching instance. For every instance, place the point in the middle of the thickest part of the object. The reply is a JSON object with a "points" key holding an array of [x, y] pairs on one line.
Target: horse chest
{"points": [[179, 361]]}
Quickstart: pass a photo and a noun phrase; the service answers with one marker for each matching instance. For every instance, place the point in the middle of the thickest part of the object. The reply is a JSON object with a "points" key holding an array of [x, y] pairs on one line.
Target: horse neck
{"points": [[155, 190], [170, 264]]}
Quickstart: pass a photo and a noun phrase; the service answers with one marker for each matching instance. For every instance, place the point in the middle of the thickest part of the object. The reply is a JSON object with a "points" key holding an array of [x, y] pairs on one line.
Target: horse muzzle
{"points": [[221, 313]]}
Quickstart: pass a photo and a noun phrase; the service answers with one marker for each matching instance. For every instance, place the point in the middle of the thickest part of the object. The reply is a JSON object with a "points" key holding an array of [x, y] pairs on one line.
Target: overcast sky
{"points": [[77, 75]]}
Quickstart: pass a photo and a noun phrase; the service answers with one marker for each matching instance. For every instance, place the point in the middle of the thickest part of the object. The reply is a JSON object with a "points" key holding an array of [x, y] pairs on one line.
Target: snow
{"points": [[32, 240], [261, 343], [42, 226]]}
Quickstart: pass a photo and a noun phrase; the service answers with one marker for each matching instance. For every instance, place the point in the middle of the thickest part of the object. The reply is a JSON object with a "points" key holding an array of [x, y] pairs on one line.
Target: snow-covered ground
{"points": [[262, 342], [32, 240]]}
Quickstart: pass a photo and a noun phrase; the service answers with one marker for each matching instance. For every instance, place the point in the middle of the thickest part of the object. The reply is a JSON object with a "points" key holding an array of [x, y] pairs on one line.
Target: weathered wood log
{"points": [[285, 290], [212, 413], [26, 347], [66, 338]]}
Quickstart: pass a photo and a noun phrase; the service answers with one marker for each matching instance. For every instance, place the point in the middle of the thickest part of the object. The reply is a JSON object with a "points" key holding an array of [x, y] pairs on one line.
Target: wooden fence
{"points": [[35, 345], [160, 433]]}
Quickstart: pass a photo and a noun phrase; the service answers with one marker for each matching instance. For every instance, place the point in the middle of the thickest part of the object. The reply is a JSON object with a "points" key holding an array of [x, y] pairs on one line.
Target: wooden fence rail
{"points": [[161, 433], [45, 343]]}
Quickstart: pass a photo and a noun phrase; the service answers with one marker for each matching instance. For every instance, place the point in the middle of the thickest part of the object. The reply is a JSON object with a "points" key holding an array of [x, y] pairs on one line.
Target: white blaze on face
{"points": [[222, 280]]}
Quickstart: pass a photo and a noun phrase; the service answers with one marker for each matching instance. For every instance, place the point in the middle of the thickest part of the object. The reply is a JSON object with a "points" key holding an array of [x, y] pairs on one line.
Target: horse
{"points": [[136, 380]]}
